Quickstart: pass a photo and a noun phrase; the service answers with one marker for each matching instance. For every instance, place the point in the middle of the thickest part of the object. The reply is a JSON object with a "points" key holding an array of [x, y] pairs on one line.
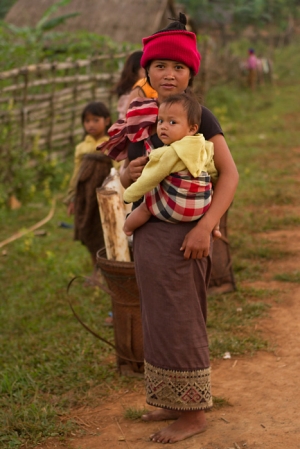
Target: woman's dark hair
{"points": [[96, 108], [176, 24], [189, 103], [130, 73]]}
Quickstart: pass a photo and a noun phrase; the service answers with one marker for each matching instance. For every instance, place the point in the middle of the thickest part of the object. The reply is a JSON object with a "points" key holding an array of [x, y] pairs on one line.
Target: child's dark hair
{"points": [[130, 73], [96, 108], [189, 103]]}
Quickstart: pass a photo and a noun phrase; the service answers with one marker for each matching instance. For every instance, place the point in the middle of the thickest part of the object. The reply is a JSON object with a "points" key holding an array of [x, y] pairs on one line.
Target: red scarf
{"points": [[141, 115]]}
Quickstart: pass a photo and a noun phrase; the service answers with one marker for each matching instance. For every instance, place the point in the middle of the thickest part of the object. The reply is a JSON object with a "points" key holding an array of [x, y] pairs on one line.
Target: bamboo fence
{"points": [[41, 105]]}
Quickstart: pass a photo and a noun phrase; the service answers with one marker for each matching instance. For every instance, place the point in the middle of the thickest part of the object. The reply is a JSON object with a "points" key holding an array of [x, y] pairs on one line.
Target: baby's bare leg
{"points": [[137, 218]]}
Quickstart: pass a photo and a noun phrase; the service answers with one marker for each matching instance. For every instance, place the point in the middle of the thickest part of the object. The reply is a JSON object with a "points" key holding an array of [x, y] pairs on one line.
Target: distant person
{"points": [[176, 181], [132, 77], [252, 66], [90, 170]]}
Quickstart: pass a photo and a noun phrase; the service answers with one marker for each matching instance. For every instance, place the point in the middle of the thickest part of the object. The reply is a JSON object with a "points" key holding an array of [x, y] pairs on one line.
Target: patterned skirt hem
{"points": [[178, 390]]}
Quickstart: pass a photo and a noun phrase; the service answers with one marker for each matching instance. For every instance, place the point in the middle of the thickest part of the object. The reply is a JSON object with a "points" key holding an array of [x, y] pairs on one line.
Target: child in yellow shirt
{"points": [[90, 170]]}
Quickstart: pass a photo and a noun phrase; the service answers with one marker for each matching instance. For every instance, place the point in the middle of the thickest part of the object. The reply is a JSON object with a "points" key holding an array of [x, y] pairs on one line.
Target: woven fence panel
{"points": [[43, 103]]}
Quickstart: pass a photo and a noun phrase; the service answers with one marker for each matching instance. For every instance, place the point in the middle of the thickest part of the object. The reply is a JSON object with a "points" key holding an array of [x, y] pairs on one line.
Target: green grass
{"points": [[261, 129], [229, 320], [288, 277], [49, 363], [134, 413], [219, 402]]}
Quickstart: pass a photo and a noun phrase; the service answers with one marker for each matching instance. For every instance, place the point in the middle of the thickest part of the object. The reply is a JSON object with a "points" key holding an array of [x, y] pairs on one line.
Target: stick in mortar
{"points": [[112, 219]]}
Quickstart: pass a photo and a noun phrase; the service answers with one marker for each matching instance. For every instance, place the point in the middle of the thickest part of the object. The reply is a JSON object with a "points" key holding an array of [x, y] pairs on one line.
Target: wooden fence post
{"points": [[74, 112], [23, 110], [52, 107]]}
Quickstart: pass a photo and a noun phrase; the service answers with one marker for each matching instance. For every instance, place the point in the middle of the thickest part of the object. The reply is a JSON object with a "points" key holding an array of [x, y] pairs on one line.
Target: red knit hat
{"points": [[173, 44]]}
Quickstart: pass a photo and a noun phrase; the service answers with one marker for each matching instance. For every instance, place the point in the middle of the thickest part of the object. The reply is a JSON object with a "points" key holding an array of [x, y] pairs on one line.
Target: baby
{"points": [[177, 180]]}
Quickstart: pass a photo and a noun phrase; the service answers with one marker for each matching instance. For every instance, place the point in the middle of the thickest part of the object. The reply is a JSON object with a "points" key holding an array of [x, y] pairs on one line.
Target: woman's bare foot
{"points": [[161, 415], [187, 425]]}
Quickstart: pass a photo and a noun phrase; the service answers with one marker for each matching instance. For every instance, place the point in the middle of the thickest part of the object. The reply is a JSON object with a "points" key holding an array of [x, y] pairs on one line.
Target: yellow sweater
{"points": [[192, 152], [87, 146]]}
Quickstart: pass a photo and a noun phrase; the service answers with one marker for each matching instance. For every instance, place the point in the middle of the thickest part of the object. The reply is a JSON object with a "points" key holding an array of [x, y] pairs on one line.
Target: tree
{"points": [[38, 33], [242, 13], [30, 43]]}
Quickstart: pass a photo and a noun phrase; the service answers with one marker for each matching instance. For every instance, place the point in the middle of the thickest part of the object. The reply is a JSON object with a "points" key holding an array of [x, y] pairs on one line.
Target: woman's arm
{"points": [[227, 182], [197, 241]]}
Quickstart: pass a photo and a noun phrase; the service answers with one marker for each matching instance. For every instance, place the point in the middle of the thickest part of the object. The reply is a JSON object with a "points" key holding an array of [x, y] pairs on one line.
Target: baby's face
{"points": [[172, 123]]}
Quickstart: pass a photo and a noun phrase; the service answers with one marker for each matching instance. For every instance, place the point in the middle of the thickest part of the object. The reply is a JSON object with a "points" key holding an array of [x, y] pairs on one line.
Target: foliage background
{"points": [[241, 13]]}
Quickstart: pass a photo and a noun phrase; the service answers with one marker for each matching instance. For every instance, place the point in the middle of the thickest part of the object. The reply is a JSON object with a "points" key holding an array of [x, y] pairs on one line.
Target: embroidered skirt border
{"points": [[178, 390]]}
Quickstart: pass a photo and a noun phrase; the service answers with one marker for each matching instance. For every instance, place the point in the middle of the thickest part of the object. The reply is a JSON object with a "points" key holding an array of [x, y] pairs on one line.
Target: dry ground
{"points": [[263, 390]]}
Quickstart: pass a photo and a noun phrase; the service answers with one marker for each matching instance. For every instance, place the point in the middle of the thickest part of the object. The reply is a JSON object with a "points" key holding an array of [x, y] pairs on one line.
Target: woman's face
{"points": [[168, 77]]}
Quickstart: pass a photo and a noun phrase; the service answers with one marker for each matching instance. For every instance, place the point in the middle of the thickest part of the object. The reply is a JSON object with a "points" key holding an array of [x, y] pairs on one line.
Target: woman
{"points": [[172, 282]]}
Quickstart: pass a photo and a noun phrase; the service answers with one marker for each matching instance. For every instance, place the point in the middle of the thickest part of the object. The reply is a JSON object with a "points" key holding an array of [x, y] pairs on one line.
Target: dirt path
{"points": [[263, 390]]}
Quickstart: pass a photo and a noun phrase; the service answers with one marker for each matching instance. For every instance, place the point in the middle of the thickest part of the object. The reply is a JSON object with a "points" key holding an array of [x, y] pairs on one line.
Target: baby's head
{"points": [[179, 115]]}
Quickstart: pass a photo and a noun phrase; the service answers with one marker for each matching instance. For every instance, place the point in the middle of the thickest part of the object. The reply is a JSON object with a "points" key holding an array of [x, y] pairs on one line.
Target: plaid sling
{"points": [[180, 197]]}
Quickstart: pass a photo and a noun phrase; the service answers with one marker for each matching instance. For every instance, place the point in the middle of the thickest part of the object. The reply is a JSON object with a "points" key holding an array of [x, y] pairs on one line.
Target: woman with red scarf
{"points": [[173, 261]]}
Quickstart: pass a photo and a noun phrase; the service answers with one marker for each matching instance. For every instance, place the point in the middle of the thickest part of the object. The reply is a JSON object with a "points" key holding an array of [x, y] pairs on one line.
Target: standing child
{"points": [[90, 170], [176, 181]]}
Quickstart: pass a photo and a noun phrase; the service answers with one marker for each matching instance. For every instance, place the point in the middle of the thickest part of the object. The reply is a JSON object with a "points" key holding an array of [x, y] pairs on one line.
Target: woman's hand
{"points": [[131, 171], [136, 167], [196, 243]]}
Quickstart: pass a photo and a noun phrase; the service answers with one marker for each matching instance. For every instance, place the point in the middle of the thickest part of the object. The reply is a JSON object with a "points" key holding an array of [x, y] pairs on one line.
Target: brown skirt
{"points": [[94, 169], [173, 306]]}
